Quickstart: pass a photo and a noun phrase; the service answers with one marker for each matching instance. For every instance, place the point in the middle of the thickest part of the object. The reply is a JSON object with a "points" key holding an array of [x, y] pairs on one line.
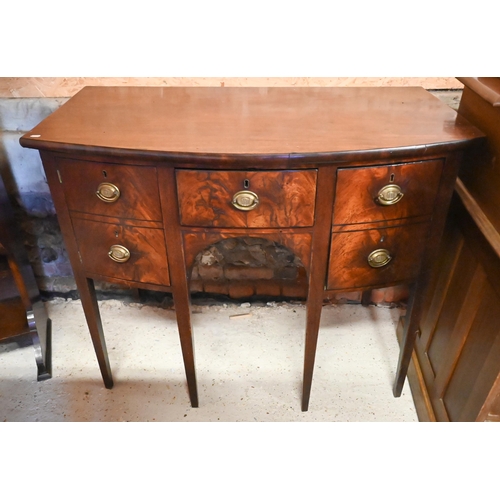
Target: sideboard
{"points": [[356, 182]]}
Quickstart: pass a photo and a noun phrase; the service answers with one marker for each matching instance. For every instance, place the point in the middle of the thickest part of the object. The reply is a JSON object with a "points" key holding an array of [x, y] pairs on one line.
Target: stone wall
{"points": [[236, 268], [25, 181]]}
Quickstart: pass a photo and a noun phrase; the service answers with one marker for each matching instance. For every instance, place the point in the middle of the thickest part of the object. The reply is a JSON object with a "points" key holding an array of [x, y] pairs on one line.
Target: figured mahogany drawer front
{"points": [[370, 194], [128, 192], [397, 250], [123, 252], [246, 199]]}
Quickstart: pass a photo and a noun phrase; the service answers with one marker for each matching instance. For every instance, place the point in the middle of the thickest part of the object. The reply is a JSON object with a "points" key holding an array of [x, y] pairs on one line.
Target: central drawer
{"points": [[250, 199]]}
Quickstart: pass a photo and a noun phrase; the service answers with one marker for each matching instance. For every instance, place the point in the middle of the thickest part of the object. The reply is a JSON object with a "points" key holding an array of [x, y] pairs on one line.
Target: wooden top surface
{"points": [[228, 121]]}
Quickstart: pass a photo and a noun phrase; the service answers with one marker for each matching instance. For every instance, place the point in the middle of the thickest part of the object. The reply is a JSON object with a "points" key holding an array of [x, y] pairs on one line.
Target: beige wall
{"points": [[66, 87]]}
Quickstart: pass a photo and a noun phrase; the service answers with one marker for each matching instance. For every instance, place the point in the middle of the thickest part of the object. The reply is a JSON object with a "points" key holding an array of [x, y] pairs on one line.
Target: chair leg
{"points": [[40, 327]]}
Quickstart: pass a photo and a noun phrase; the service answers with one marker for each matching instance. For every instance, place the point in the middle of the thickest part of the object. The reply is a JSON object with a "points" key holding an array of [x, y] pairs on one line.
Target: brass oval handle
{"points": [[389, 195], [107, 192], [245, 200], [119, 253], [379, 258]]}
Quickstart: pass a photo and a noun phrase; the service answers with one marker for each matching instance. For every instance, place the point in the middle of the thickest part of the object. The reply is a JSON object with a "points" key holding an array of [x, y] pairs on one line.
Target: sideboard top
{"points": [[265, 122]]}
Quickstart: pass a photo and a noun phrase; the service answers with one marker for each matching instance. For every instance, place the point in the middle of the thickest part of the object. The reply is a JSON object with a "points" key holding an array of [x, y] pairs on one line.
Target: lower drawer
{"points": [[396, 250], [123, 252]]}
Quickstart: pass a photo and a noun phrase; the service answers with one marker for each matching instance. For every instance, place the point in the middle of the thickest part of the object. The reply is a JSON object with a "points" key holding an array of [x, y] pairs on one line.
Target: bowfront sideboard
{"points": [[356, 182]]}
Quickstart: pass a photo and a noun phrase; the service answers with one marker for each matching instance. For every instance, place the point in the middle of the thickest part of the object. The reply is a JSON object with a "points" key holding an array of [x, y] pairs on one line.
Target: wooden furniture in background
{"points": [[22, 312], [355, 181], [456, 370]]}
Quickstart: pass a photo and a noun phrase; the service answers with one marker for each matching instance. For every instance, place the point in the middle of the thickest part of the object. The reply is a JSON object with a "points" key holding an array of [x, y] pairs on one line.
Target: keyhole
{"points": [[392, 178], [246, 183], [104, 173], [382, 239], [116, 234]]}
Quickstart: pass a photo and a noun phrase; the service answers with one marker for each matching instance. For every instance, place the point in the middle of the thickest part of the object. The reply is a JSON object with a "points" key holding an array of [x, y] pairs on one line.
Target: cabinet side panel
{"points": [[454, 302], [478, 365], [458, 350]]}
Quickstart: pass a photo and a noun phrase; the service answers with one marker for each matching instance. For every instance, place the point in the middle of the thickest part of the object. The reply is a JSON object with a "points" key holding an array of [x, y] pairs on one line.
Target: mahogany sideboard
{"points": [[356, 182]]}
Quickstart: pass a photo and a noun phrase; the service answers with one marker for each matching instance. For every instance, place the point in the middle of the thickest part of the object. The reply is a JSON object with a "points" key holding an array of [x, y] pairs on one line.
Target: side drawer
{"points": [[85, 183], [371, 194], [350, 250], [282, 198], [147, 262]]}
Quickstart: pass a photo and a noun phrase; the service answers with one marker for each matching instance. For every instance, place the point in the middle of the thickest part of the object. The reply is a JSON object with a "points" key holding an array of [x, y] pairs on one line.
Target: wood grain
{"points": [[85, 285], [13, 320], [225, 123], [457, 349], [286, 198], [446, 330], [488, 88], [419, 287], [316, 277], [139, 198], [357, 189], [349, 268], [480, 174], [446, 261], [478, 365], [279, 140], [180, 279], [148, 260], [480, 218]]}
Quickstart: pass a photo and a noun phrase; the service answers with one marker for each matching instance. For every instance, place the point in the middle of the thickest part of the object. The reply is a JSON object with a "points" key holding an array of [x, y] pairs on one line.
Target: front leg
{"points": [[88, 297]]}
